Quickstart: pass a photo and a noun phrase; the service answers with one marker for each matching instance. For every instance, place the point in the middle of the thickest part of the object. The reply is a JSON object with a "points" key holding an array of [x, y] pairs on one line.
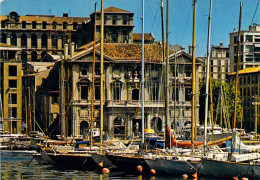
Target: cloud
{"points": [[1, 1]]}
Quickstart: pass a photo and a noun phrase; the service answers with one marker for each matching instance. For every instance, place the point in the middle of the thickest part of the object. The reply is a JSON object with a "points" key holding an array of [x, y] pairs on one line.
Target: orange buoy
{"points": [[105, 170], [185, 176], [244, 178], [195, 175], [152, 171], [235, 178], [139, 168]]}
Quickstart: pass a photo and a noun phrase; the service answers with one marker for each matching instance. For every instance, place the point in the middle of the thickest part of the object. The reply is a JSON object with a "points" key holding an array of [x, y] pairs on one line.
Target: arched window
{"points": [[13, 40], [156, 124], [3, 24], [54, 41], [24, 56], [34, 41], [84, 127], [44, 41], [24, 40], [34, 25], [44, 25], [34, 56], [65, 25], [3, 38], [75, 26], [54, 25], [135, 94], [23, 24]]}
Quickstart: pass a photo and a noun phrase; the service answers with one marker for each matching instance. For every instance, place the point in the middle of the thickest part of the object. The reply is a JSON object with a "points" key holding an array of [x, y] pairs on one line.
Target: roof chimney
{"points": [[221, 44], [190, 49], [72, 49], [65, 15]]}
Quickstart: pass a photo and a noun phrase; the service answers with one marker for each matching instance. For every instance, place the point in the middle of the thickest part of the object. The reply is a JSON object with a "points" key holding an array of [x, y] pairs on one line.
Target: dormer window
{"points": [[44, 25], [34, 25], [54, 25], [65, 25], [24, 24]]}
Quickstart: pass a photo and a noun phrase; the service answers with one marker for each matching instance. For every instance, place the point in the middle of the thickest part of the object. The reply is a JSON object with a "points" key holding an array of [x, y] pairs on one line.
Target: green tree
{"points": [[226, 103]]}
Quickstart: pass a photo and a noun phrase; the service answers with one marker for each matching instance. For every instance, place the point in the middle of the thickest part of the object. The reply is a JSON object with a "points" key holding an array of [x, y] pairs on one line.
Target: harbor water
{"points": [[21, 165]]}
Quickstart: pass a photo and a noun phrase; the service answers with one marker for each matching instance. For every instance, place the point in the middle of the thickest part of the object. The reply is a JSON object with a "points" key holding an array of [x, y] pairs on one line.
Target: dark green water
{"points": [[19, 165]]}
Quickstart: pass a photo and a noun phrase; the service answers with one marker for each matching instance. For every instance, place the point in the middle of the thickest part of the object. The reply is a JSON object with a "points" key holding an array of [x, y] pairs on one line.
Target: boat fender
{"points": [[244, 178], [195, 175], [152, 171], [139, 168], [105, 170], [235, 178], [185, 176], [101, 164]]}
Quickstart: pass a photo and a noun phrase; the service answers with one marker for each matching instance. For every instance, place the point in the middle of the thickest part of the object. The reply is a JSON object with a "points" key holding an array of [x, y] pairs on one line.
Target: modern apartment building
{"points": [[249, 46]]}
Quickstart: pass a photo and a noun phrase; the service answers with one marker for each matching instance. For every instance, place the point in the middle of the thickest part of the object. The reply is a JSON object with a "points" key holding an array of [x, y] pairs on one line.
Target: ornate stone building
{"points": [[122, 69]]}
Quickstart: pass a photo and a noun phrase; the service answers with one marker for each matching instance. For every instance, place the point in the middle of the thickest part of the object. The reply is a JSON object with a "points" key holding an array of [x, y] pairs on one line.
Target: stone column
{"points": [[29, 43], [8, 40], [59, 44], [18, 42], [49, 44], [39, 43]]}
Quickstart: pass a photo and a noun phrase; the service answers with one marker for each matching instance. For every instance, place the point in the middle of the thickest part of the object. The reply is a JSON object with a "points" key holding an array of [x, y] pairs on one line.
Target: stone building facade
{"points": [[122, 99], [219, 63]]}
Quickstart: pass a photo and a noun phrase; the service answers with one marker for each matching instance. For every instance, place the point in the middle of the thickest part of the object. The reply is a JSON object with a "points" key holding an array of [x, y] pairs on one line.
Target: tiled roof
{"points": [[48, 19], [121, 51], [86, 46], [247, 70], [147, 37], [133, 51], [115, 10]]}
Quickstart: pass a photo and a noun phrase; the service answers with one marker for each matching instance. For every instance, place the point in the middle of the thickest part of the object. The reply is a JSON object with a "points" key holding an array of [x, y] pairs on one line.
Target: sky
{"points": [[225, 16]]}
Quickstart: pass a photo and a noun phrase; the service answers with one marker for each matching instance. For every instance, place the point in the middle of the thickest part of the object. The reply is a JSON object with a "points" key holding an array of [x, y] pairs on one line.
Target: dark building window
{"points": [[13, 98], [54, 41], [43, 54], [117, 93], [3, 38], [12, 70], [13, 112], [114, 20], [13, 40], [24, 56], [54, 25], [54, 99], [44, 25], [188, 94], [12, 83], [84, 72], [75, 26], [65, 25], [44, 41], [155, 92], [23, 40], [3, 24], [135, 94], [97, 92], [188, 71], [34, 56], [34, 25], [124, 20], [84, 92], [177, 94], [24, 24], [34, 41]]}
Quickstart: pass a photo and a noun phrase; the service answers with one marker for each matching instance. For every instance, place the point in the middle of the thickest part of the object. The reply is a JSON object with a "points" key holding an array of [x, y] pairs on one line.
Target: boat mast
{"points": [[142, 80], [237, 69], [167, 66], [193, 76], [207, 79], [102, 74], [93, 80]]}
